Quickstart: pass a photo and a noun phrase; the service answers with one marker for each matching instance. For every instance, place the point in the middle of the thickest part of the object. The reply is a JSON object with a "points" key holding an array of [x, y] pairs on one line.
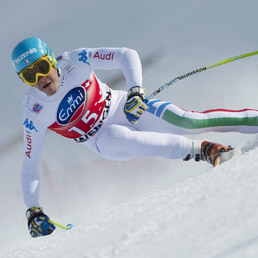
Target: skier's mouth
{"points": [[45, 86]]}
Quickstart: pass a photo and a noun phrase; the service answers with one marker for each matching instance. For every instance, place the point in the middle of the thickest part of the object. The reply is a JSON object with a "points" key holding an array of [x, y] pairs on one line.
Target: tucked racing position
{"points": [[66, 97]]}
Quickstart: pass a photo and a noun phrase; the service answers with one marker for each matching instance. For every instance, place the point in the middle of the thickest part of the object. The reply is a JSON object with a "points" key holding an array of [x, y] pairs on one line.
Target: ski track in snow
{"points": [[211, 215]]}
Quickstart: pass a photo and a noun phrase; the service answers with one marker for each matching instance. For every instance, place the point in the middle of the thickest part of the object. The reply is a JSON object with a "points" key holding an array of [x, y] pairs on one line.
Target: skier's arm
{"points": [[34, 135], [111, 58], [129, 62]]}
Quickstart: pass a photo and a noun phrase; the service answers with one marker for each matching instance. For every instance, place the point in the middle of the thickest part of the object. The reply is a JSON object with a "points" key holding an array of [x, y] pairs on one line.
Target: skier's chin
{"points": [[50, 88]]}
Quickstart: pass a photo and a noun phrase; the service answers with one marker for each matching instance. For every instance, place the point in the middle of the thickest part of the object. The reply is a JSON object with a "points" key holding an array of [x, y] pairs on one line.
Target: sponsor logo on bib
{"points": [[71, 106]]}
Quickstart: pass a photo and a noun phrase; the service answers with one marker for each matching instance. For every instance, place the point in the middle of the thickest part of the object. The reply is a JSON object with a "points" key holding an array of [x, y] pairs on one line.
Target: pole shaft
{"points": [[176, 79]]}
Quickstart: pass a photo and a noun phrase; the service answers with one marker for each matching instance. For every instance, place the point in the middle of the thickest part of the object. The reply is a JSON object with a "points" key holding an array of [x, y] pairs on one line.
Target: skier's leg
{"points": [[166, 117], [153, 135], [121, 143]]}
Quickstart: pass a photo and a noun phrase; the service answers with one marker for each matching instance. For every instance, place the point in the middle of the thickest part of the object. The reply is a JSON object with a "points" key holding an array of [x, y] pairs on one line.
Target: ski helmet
{"points": [[30, 50]]}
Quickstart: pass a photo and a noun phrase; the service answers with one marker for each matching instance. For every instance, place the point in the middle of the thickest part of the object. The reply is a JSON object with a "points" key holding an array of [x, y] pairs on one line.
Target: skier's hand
{"points": [[136, 104], [38, 222]]}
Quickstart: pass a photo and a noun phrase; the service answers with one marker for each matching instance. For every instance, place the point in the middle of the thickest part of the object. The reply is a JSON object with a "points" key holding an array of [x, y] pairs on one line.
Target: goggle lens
{"points": [[40, 68]]}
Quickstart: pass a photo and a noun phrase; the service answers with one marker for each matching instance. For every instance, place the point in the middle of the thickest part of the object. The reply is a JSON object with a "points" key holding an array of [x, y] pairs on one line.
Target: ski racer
{"points": [[67, 97]]}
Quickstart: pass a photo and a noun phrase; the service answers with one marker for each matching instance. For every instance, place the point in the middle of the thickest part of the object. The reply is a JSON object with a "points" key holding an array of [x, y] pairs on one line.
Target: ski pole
{"points": [[179, 78], [69, 226]]}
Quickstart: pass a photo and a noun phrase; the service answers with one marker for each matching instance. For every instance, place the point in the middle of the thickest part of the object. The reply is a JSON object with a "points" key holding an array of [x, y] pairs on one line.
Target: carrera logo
{"points": [[108, 56], [71, 106]]}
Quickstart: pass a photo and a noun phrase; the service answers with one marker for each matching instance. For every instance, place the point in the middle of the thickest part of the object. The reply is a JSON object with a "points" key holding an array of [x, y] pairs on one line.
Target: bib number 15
{"points": [[86, 121]]}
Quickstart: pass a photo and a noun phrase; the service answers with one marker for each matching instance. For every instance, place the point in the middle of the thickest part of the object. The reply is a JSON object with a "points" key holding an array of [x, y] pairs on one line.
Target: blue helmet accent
{"points": [[30, 50]]}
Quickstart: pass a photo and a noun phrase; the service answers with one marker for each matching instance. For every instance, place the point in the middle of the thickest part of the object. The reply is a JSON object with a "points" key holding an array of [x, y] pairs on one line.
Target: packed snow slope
{"points": [[211, 215], [147, 207]]}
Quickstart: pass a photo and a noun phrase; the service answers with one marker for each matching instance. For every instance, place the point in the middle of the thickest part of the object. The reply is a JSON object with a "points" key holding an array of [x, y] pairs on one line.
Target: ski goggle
{"points": [[41, 67]]}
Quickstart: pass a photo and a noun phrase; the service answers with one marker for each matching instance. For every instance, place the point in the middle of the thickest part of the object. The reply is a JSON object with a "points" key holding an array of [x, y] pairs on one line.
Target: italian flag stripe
{"points": [[191, 123]]}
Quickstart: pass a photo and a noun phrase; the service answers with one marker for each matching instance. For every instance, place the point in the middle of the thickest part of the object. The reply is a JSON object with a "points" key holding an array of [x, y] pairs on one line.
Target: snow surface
{"points": [[147, 207]]}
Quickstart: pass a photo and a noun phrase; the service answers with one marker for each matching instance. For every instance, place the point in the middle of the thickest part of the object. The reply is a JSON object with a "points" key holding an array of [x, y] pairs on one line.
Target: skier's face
{"points": [[48, 84]]}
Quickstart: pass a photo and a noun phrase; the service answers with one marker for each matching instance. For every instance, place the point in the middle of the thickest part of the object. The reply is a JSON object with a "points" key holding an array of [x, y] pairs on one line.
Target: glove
{"points": [[136, 104], [38, 222]]}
